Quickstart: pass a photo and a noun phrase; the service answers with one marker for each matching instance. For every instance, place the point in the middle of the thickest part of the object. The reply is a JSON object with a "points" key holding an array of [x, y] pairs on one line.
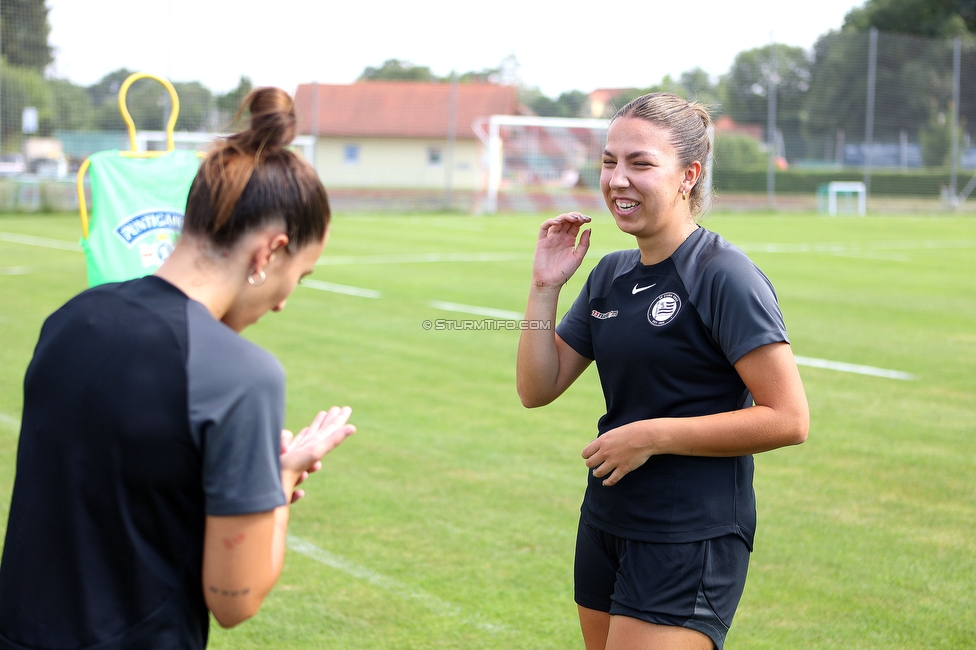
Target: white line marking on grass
{"points": [[15, 270], [863, 249], [850, 367], [477, 311], [423, 258], [59, 244], [9, 422], [395, 587], [341, 288], [868, 255]]}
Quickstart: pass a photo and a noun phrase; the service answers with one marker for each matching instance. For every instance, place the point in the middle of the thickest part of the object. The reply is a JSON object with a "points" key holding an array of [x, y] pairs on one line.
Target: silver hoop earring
{"points": [[684, 195], [256, 283]]}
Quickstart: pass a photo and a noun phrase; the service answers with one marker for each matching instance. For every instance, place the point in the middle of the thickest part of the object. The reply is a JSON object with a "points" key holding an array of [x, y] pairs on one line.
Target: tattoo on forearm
{"points": [[231, 542], [229, 593]]}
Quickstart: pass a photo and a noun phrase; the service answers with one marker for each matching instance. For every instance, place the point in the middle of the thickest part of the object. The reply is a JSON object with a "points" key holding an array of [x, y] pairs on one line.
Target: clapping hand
{"points": [[302, 454]]}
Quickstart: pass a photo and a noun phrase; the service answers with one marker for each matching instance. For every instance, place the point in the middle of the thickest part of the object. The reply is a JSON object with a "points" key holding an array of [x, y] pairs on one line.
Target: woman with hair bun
{"points": [[153, 475], [697, 373]]}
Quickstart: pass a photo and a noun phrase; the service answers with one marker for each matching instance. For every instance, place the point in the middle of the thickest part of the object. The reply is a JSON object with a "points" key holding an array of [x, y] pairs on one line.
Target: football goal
{"points": [[842, 196], [541, 164]]}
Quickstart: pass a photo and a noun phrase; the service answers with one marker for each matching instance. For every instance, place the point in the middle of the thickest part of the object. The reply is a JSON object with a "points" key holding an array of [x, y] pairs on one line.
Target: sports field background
{"points": [[448, 520]]}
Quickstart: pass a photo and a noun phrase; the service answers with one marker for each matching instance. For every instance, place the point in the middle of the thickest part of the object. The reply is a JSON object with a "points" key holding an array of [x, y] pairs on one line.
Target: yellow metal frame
{"points": [[130, 125]]}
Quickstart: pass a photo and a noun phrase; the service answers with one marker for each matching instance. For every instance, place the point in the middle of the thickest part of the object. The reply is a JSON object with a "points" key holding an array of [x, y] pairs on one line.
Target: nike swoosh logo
{"points": [[637, 291]]}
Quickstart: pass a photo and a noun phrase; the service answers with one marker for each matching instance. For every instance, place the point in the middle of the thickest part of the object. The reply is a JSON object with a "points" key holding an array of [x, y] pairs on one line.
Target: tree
{"points": [[738, 151], [397, 70], [485, 76], [911, 71], [694, 85], [667, 85], [748, 82], [930, 18], [23, 34], [573, 103], [146, 100], [231, 101], [106, 89], [22, 87], [70, 109], [697, 85], [148, 103], [506, 73], [913, 68], [966, 9], [197, 106], [936, 138]]}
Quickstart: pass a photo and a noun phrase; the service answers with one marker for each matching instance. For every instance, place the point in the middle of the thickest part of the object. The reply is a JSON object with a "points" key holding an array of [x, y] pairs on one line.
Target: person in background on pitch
{"points": [[698, 375], [153, 475]]}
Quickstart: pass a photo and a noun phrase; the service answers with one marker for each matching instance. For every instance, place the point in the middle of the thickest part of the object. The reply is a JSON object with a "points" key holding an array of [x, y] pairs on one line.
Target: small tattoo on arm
{"points": [[229, 593], [231, 542]]}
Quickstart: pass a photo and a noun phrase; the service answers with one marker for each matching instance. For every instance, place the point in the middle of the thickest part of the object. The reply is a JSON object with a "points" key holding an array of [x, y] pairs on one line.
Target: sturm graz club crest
{"points": [[664, 308]]}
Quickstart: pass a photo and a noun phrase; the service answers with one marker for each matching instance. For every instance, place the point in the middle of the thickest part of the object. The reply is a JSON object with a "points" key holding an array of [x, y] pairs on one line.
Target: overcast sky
{"points": [[287, 42]]}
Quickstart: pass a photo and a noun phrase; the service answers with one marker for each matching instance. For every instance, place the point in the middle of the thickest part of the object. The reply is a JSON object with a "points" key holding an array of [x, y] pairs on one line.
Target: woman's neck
{"points": [[662, 245], [192, 269]]}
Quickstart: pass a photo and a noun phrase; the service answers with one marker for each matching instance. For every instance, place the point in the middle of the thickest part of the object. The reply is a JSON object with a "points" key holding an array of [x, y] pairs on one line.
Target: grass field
{"points": [[448, 520]]}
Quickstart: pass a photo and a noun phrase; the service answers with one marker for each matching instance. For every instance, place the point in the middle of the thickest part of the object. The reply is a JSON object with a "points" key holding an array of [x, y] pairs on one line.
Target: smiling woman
{"points": [[697, 374], [153, 476]]}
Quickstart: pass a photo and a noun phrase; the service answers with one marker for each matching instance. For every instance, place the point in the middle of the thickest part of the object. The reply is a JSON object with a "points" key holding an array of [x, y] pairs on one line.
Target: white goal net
{"points": [[542, 164]]}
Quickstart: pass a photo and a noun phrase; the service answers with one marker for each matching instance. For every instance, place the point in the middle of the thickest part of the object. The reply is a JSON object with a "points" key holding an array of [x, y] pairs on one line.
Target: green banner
{"points": [[137, 212]]}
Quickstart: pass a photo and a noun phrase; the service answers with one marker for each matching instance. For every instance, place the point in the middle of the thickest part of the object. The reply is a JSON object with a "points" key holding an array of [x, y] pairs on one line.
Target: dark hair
{"points": [[251, 180], [689, 124]]}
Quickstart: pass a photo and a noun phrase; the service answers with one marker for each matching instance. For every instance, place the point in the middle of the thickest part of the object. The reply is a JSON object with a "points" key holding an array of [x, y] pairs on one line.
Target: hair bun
{"points": [[273, 121]]}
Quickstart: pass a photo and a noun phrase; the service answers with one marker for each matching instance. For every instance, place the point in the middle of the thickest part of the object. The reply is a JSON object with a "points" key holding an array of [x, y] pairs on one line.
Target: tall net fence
{"points": [[887, 110], [891, 112]]}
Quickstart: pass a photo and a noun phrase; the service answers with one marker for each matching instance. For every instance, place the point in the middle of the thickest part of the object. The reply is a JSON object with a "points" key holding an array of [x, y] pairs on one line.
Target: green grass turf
{"points": [[448, 520]]}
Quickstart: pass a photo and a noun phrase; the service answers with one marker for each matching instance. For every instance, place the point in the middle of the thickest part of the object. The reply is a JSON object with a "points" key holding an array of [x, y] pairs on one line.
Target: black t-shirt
{"points": [[142, 415], [665, 338]]}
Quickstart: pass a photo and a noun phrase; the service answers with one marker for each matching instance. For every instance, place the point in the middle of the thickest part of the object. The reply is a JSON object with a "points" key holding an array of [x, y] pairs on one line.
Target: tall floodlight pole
{"points": [[869, 118], [451, 138], [956, 71], [771, 127], [495, 161], [1, 108], [169, 41], [314, 130]]}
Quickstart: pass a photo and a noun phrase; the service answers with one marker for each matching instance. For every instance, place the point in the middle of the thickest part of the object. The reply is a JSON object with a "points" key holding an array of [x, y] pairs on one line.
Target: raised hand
{"points": [[557, 255], [302, 454]]}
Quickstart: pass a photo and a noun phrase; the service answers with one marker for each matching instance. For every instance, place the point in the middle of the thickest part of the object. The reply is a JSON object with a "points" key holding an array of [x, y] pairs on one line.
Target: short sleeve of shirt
{"points": [[236, 403], [574, 327], [734, 299]]}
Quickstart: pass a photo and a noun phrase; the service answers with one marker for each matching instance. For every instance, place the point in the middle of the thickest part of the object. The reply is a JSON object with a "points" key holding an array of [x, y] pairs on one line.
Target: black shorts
{"points": [[695, 584]]}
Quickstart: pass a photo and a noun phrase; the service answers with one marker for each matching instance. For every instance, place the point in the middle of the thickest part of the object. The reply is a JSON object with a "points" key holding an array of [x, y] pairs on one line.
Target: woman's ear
{"points": [[278, 242], [268, 246], [692, 174]]}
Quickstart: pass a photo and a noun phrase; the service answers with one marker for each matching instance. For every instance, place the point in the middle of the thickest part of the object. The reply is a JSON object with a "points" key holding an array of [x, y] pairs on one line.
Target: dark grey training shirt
{"points": [[142, 415], [665, 338], [236, 399]]}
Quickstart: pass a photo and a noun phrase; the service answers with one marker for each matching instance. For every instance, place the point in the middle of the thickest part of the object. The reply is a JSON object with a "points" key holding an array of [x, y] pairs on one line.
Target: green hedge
{"points": [[802, 181]]}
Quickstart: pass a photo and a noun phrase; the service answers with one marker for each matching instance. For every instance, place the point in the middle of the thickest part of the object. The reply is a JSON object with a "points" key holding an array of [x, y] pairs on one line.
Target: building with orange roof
{"points": [[400, 134], [601, 101]]}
